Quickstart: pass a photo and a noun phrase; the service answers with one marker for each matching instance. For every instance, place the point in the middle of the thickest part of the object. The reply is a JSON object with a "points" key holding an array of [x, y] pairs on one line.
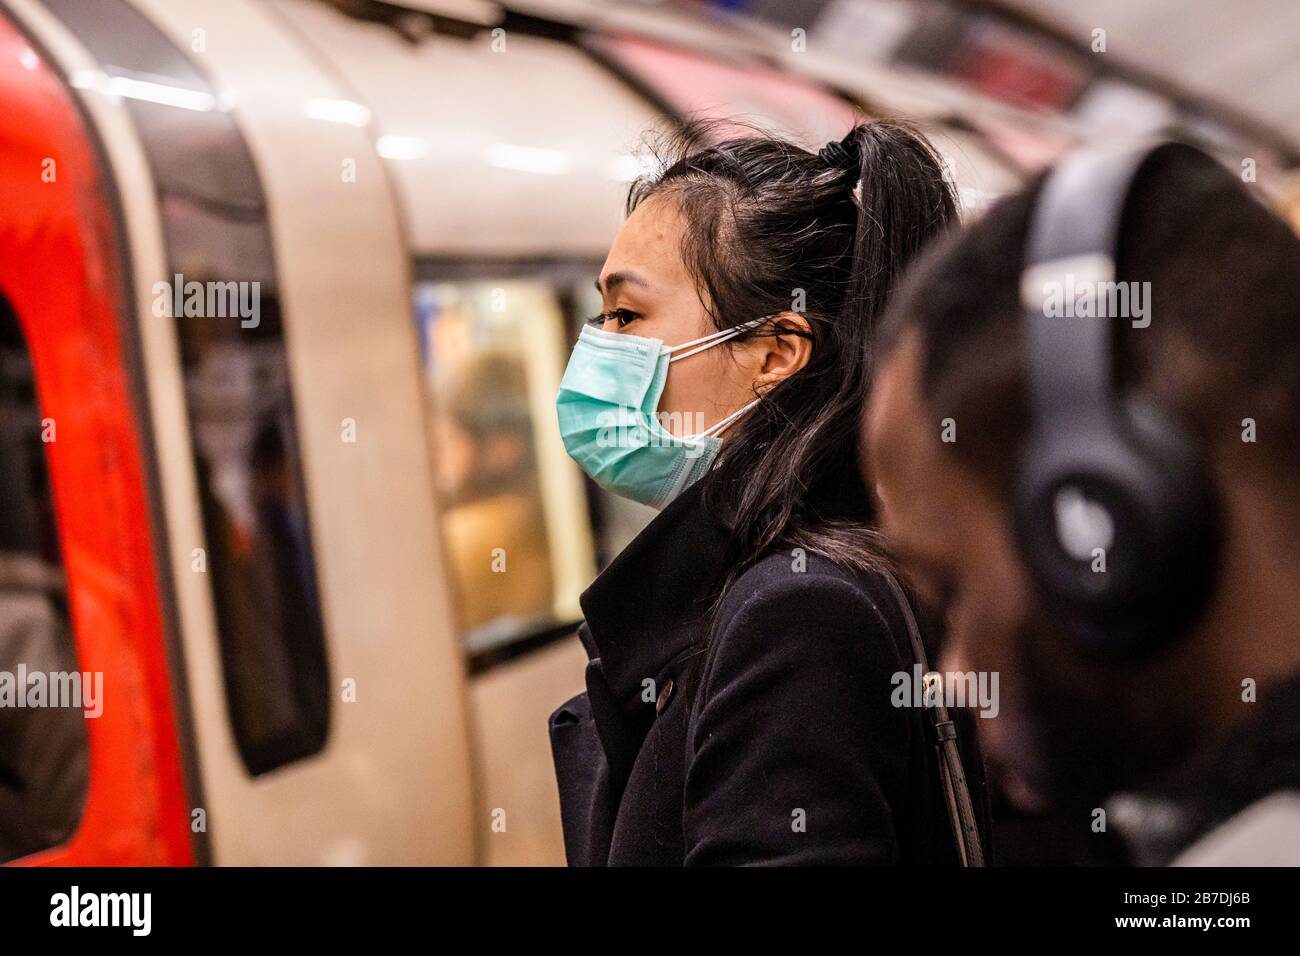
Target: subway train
{"points": [[286, 291]]}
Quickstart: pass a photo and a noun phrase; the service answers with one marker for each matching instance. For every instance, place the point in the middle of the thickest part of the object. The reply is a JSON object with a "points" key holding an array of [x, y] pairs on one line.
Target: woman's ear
{"points": [[783, 353]]}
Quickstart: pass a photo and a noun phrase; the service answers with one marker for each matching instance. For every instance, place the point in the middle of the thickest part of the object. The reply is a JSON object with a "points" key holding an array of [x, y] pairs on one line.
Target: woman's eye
{"points": [[621, 316]]}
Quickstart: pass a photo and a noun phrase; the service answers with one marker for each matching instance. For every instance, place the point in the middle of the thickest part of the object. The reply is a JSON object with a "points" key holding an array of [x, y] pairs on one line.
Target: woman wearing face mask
{"points": [[743, 646]]}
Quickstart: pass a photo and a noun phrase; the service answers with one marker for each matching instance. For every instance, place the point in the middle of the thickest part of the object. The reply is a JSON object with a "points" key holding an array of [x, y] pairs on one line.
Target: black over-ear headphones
{"points": [[1115, 514]]}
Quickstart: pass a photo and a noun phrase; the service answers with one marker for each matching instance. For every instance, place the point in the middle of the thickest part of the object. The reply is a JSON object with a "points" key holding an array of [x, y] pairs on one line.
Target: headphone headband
{"points": [[1073, 234]]}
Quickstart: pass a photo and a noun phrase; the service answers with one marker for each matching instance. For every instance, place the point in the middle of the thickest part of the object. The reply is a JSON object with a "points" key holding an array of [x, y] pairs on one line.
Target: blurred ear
{"points": [[778, 357]]}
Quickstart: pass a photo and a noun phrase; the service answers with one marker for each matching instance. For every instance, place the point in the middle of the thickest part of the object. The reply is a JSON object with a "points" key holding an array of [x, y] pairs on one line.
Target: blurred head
{"points": [[484, 428], [1223, 346], [756, 226]]}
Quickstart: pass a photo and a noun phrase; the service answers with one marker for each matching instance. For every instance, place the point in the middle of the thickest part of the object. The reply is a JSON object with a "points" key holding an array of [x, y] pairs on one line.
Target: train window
{"points": [[259, 554], [515, 522], [44, 762]]}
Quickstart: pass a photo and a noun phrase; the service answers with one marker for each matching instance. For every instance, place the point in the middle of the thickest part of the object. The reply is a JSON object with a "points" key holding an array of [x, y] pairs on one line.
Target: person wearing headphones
{"points": [[743, 647], [1084, 437]]}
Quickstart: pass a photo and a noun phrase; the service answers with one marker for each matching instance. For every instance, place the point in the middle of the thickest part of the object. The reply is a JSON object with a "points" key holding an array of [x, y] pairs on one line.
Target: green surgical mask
{"points": [[608, 412]]}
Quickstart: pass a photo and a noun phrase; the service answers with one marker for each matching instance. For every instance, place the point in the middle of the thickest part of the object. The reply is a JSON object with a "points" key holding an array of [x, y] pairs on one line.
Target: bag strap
{"points": [[961, 810]]}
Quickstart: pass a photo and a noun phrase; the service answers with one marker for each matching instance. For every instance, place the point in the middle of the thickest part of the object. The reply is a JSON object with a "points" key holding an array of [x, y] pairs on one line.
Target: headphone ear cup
{"points": [[1111, 520], [1079, 519], [1184, 552]]}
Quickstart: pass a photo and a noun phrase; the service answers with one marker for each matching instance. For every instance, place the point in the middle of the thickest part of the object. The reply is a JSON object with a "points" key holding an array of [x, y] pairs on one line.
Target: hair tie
{"points": [[838, 155]]}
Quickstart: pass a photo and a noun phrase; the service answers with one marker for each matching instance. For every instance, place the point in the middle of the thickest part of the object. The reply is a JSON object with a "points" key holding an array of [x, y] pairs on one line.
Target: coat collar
{"points": [[653, 600]]}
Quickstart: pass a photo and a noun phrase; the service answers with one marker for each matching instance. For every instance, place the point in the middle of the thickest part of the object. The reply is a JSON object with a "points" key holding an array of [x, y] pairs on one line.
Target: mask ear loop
{"points": [[707, 342], [714, 338], [718, 427]]}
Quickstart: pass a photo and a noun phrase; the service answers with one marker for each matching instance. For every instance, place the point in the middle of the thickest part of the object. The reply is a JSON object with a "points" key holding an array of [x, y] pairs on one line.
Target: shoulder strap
{"points": [[961, 811]]}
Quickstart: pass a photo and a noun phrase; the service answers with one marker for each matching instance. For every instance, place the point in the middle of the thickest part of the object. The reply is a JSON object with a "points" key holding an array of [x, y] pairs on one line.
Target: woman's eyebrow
{"points": [[615, 279]]}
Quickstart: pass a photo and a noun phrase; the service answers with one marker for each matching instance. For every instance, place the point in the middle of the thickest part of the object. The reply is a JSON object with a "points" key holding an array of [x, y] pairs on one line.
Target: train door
{"points": [[81, 615], [326, 696]]}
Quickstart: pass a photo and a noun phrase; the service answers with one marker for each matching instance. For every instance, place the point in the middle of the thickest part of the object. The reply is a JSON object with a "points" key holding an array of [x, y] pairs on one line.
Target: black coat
{"points": [[757, 732]]}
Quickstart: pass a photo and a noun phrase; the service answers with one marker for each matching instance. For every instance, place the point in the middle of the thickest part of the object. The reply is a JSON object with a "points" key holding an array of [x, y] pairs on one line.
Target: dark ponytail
{"points": [[772, 227]]}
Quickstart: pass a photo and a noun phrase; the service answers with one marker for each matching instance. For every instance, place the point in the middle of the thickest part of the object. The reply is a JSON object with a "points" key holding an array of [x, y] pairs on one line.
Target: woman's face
{"points": [[647, 291]]}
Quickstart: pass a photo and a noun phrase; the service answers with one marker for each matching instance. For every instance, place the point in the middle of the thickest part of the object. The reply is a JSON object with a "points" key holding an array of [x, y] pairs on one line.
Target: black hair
{"points": [[1223, 344], [771, 228]]}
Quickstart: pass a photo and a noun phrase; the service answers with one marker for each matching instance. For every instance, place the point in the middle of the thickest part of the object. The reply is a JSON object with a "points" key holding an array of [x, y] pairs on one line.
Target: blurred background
{"points": [[286, 291]]}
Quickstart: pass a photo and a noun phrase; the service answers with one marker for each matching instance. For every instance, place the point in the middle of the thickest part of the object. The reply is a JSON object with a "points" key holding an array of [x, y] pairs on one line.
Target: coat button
{"points": [[664, 695]]}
